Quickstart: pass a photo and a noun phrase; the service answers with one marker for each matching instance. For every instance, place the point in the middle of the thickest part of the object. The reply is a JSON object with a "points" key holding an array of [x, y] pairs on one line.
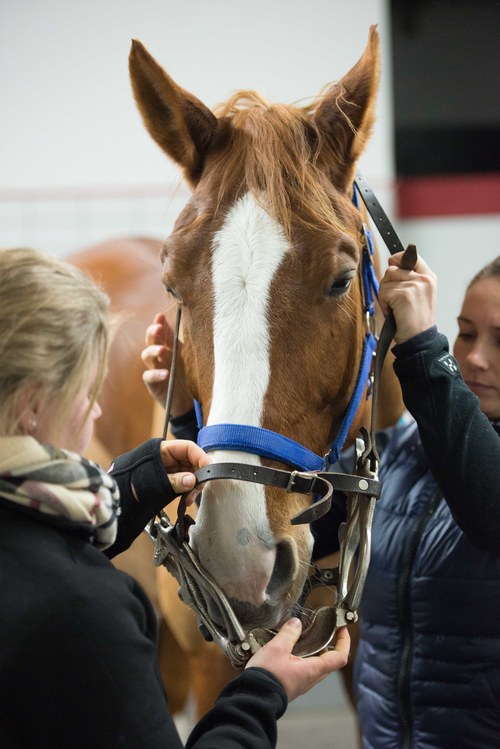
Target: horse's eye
{"points": [[341, 284], [170, 290]]}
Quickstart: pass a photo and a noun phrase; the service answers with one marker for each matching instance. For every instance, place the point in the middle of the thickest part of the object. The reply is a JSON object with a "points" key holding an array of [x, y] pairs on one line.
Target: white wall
{"points": [[70, 128], [65, 88], [76, 164]]}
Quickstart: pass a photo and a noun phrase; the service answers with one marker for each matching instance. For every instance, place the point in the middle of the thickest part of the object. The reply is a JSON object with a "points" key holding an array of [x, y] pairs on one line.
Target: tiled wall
{"points": [[61, 222]]}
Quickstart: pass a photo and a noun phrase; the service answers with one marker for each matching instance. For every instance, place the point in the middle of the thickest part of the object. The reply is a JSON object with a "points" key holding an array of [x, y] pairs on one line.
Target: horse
{"points": [[128, 271], [265, 263]]}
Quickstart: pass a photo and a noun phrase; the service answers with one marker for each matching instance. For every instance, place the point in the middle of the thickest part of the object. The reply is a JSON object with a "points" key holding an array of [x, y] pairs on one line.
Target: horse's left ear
{"points": [[179, 122], [345, 115]]}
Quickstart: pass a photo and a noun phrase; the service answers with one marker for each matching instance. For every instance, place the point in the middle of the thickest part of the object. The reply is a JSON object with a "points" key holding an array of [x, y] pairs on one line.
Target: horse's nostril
{"points": [[284, 569]]}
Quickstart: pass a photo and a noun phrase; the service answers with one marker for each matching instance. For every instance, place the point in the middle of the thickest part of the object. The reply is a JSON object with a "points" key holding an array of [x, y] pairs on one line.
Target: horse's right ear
{"points": [[346, 113], [181, 125]]}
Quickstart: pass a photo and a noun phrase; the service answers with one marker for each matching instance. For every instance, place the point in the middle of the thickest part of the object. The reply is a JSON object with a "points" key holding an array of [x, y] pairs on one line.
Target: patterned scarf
{"points": [[59, 482]]}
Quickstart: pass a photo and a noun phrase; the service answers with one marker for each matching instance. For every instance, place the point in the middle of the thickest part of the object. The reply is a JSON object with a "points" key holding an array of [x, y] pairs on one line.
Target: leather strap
{"points": [[408, 262], [322, 484], [293, 481], [171, 379], [384, 226]]}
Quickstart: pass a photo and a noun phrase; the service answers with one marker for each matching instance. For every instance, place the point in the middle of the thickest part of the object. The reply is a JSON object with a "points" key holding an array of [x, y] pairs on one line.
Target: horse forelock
{"points": [[274, 150]]}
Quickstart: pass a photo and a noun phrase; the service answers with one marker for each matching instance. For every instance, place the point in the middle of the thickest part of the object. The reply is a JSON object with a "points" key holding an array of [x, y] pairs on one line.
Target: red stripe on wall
{"points": [[453, 195]]}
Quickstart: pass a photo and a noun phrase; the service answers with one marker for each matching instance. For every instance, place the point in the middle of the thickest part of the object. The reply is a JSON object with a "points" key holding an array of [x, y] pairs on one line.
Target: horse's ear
{"points": [[346, 112], [181, 125]]}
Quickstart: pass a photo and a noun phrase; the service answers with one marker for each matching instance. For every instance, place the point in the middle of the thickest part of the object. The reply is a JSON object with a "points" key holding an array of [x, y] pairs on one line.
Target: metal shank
{"points": [[197, 587]]}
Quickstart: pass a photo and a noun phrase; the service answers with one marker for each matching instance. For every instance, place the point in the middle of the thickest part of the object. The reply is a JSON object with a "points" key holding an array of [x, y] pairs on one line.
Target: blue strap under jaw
{"points": [[258, 441]]}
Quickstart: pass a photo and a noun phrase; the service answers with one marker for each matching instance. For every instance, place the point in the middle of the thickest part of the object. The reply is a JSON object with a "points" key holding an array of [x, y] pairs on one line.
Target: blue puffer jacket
{"points": [[428, 665]]}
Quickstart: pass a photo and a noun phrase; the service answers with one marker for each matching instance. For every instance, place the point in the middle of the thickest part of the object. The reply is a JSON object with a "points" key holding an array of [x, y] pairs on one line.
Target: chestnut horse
{"points": [[265, 263]]}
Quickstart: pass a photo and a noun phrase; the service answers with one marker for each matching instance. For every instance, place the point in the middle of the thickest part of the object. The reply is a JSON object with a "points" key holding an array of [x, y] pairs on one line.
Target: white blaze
{"points": [[232, 533], [246, 254]]}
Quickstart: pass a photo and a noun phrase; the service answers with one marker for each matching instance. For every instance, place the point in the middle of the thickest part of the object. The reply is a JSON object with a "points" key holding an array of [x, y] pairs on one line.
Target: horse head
{"points": [[265, 260]]}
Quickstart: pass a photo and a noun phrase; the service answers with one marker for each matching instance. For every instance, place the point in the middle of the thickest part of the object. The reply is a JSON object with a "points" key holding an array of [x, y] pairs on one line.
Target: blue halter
{"points": [[268, 444]]}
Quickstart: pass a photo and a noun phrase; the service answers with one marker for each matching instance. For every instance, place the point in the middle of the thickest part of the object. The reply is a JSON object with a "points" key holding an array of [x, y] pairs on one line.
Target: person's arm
{"points": [[245, 714], [253, 702], [149, 477], [326, 529], [461, 445], [185, 427]]}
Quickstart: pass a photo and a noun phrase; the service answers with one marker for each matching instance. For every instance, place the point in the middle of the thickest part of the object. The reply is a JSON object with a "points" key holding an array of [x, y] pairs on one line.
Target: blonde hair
{"points": [[53, 334]]}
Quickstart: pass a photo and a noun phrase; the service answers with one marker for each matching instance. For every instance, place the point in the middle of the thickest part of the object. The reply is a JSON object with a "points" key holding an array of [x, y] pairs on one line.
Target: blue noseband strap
{"points": [[258, 441]]}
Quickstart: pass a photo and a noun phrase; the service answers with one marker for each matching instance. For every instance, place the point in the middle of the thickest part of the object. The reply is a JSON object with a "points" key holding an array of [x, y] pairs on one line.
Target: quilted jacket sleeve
{"points": [[462, 446]]}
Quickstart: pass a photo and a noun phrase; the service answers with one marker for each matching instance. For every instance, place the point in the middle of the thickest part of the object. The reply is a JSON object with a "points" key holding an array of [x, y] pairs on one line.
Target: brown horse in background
{"points": [[128, 269]]}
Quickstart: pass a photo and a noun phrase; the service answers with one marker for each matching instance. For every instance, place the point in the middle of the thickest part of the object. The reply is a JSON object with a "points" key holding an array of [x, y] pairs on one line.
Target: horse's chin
{"points": [[271, 615], [267, 615]]}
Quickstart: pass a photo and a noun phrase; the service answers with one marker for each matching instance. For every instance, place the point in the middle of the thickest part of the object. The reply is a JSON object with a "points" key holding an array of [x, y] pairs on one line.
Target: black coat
{"points": [[78, 638]]}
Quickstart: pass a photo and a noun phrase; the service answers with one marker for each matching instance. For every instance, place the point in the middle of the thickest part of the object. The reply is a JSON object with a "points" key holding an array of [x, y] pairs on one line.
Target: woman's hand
{"points": [[411, 295], [157, 357], [181, 458], [298, 675]]}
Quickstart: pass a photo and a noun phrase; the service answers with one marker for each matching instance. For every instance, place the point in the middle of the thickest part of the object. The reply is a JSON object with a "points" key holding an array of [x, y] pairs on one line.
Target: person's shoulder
{"points": [[62, 574], [91, 603]]}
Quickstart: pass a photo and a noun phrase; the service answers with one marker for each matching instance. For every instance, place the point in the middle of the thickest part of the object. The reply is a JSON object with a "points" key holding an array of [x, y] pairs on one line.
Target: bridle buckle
{"points": [[301, 476]]}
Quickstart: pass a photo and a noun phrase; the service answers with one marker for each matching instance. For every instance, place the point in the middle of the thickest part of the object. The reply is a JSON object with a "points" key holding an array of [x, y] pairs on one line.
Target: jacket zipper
{"points": [[405, 610]]}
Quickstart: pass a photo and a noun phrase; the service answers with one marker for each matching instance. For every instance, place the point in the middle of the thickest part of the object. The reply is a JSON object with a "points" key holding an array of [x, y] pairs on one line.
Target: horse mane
{"points": [[277, 146]]}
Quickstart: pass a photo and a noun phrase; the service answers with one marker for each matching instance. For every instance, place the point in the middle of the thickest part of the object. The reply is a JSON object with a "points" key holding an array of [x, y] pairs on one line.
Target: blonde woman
{"points": [[78, 640]]}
